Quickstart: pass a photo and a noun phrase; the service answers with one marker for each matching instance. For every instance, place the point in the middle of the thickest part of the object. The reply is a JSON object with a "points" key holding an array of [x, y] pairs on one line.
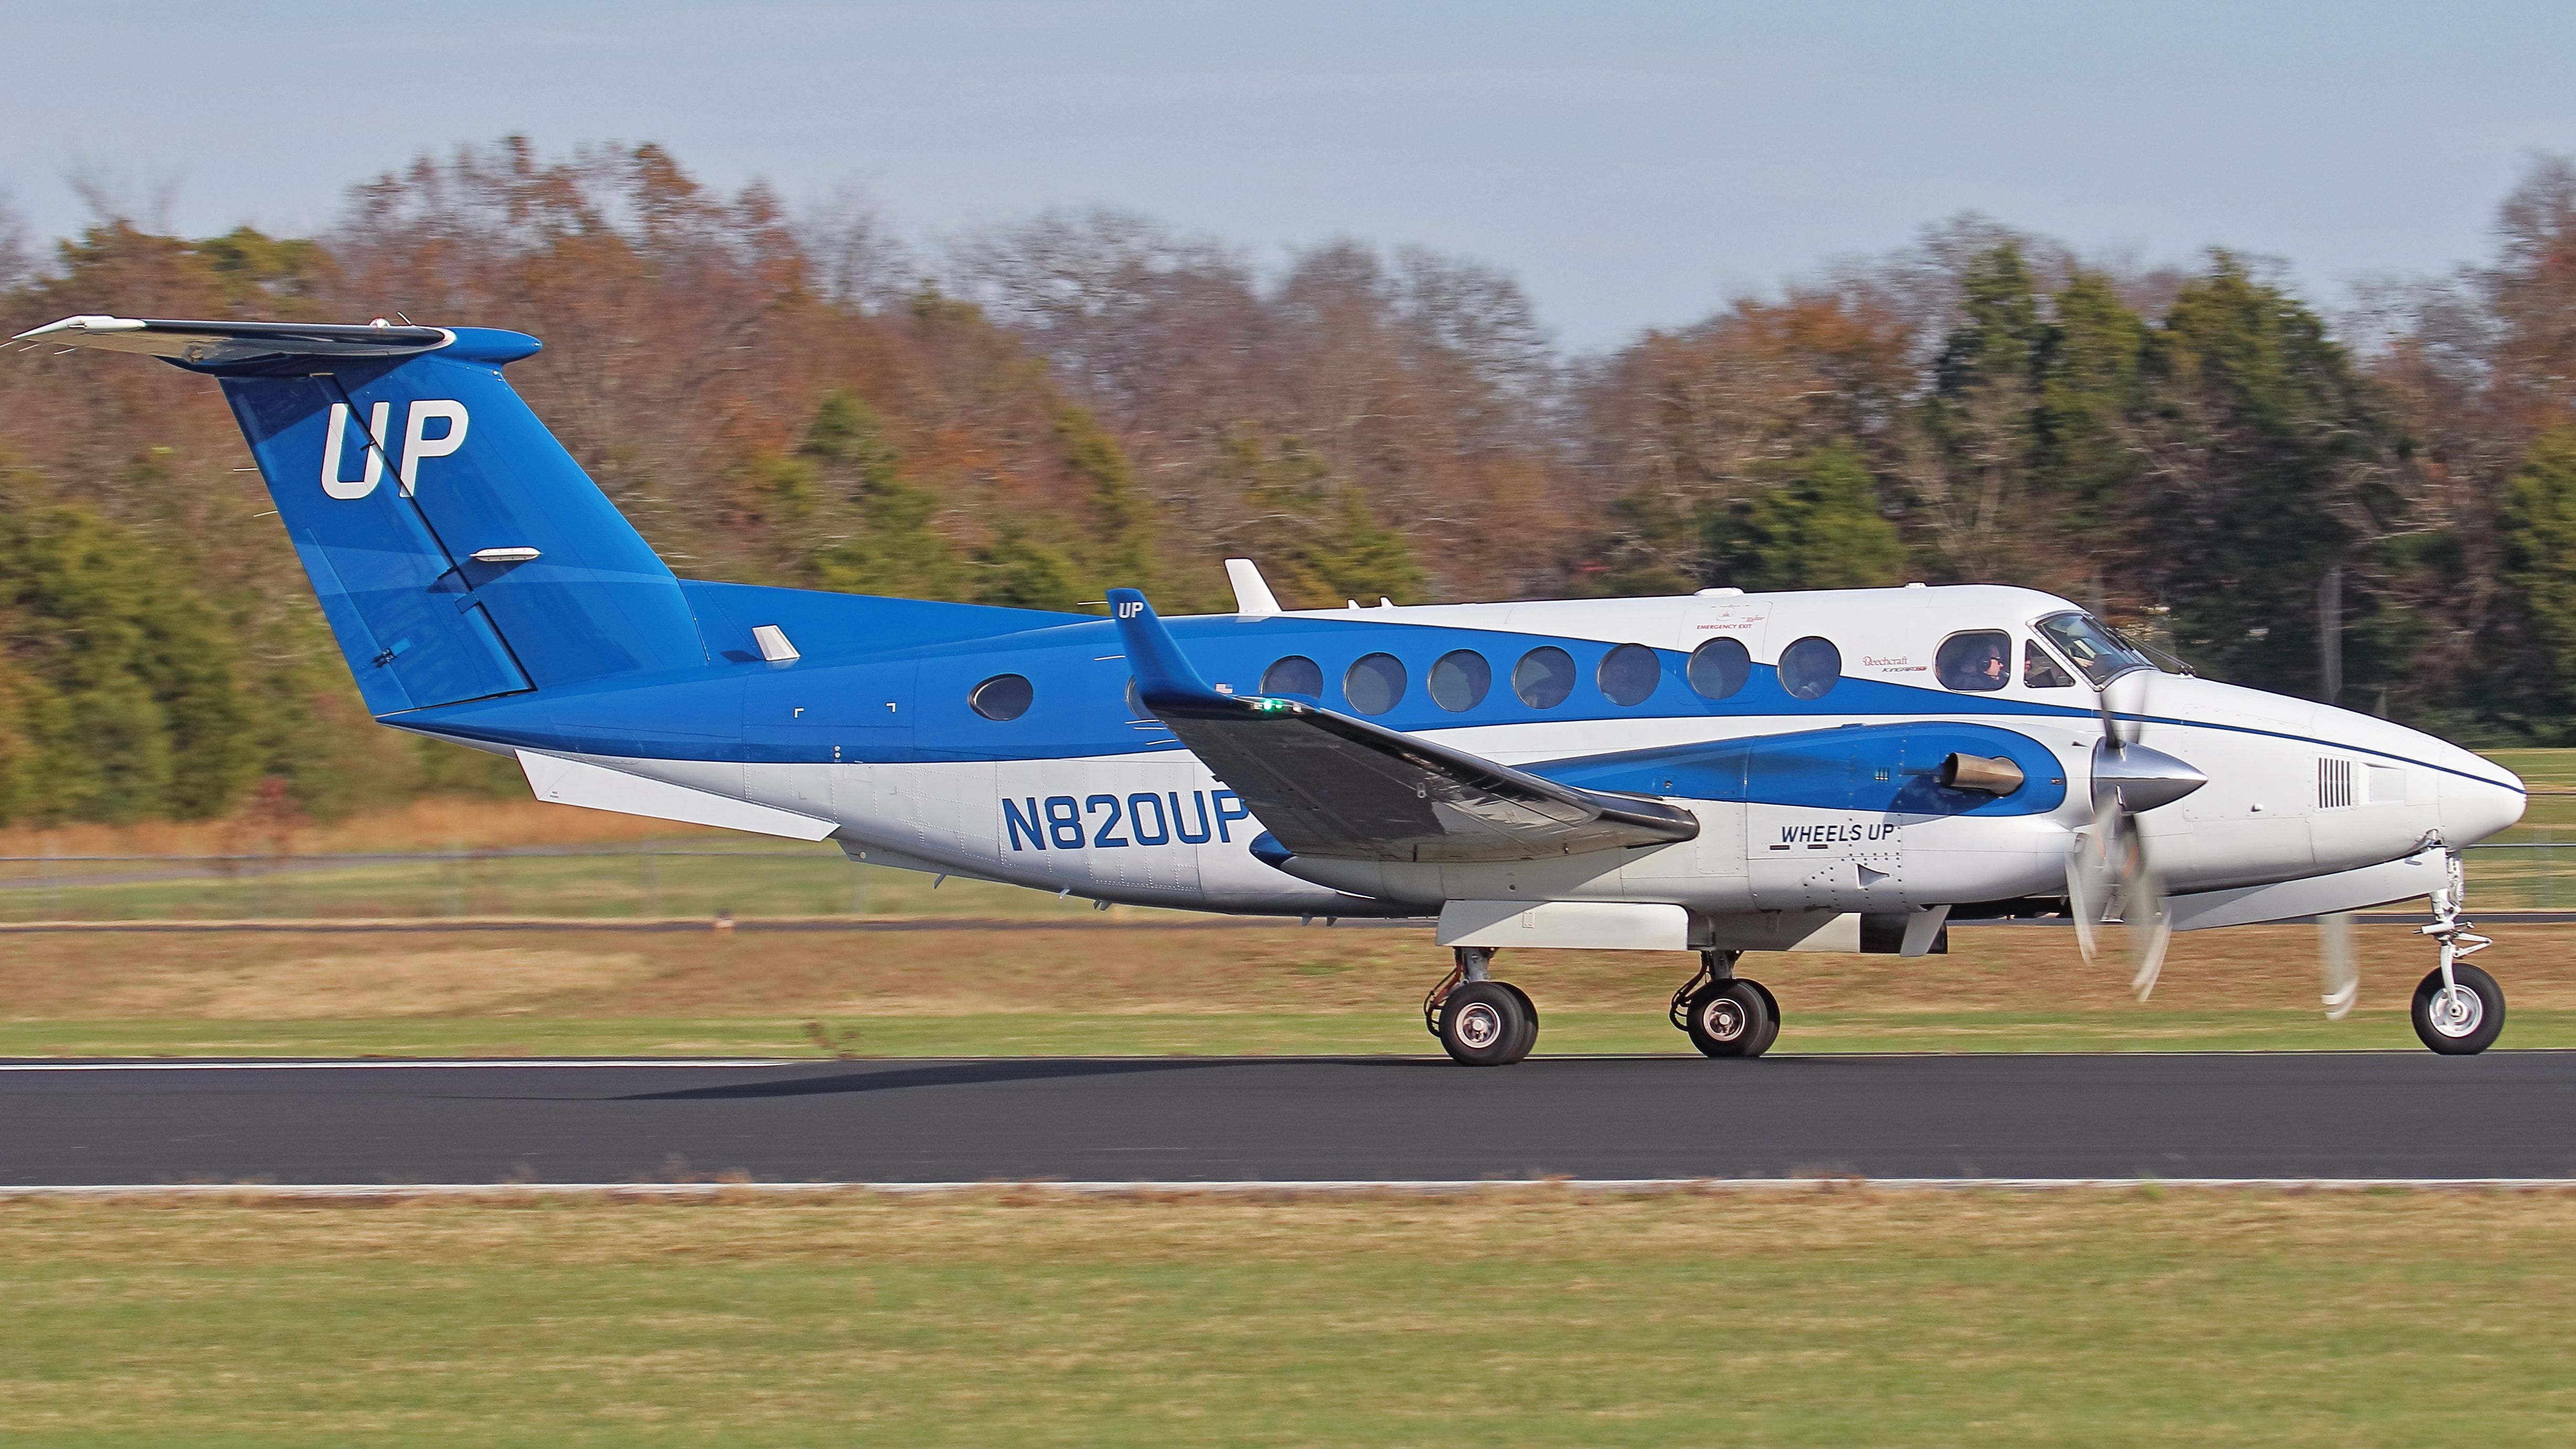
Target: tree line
{"points": [[1042, 410]]}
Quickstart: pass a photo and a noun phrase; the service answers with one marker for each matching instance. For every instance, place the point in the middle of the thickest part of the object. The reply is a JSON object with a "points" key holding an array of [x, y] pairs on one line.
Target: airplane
{"points": [[1719, 773]]}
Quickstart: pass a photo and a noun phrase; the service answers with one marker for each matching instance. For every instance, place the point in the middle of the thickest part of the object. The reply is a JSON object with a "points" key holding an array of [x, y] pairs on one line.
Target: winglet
{"points": [[1164, 675]]}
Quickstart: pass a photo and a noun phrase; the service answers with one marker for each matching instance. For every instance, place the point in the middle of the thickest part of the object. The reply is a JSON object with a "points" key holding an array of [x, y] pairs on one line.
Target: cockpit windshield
{"points": [[2092, 647]]}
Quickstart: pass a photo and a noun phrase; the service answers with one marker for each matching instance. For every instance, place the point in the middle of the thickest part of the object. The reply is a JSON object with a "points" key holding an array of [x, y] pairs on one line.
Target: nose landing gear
{"points": [[1726, 1015], [1480, 1022], [2458, 1009]]}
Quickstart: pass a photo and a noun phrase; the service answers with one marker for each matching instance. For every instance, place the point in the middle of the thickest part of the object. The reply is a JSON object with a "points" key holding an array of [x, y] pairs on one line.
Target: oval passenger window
{"points": [[1629, 673], [1459, 680], [1002, 697], [1719, 668], [1374, 684], [1295, 674], [1544, 677], [1810, 667]]}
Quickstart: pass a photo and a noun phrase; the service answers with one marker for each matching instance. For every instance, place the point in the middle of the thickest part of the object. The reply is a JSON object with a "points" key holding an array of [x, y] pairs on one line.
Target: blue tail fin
{"points": [[459, 551]]}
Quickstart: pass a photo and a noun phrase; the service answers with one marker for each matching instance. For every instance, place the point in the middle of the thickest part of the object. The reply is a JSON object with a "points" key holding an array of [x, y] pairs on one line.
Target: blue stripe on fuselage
{"points": [[862, 654], [1079, 675]]}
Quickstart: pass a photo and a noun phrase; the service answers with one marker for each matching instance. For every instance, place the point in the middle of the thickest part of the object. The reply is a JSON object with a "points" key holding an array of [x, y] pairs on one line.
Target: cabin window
{"points": [[1002, 697], [1978, 661], [1629, 673], [1459, 680], [1810, 667], [1719, 668], [2038, 671], [1374, 684], [1295, 674], [2095, 649], [1544, 677]]}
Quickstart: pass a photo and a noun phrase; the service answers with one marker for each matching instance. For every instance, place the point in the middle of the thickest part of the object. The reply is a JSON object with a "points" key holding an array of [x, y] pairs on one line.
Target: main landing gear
{"points": [[1481, 1022], [1726, 1015]]}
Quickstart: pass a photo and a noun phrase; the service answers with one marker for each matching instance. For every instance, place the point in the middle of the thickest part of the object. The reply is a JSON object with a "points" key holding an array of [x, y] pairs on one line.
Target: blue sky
{"points": [[1634, 164]]}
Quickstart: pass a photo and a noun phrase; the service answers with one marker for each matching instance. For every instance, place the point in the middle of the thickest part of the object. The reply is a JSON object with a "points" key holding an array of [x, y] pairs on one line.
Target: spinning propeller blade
{"points": [[2340, 964], [2108, 874]]}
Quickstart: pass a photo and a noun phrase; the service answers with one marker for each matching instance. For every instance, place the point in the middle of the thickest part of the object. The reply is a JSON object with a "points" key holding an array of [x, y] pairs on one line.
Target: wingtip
{"points": [[1162, 671]]}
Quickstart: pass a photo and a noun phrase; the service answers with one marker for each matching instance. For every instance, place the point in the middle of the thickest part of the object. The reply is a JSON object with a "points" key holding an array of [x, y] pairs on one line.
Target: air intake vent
{"points": [[2334, 783]]}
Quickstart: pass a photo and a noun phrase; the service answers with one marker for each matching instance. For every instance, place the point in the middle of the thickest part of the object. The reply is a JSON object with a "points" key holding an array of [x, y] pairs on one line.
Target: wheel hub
{"points": [[2457, 1011], [1479, 1026], [1723, 1019]]}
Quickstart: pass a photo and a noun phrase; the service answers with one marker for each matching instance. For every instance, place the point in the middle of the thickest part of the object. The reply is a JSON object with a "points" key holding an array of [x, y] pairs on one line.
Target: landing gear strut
{"points": [[1481, 1022], [1726, 1015], [2458, 1009]]}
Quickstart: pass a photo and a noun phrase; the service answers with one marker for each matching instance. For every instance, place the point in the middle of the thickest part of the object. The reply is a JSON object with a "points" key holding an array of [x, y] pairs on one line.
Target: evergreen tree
{"points": [[1818, 526], [894, 549], [2539, 525], [2273, 466], [125, 682]]}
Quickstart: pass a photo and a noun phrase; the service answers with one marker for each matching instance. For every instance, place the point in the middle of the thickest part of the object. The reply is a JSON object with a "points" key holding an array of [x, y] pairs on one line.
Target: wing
{"points": [[1327, 784]]}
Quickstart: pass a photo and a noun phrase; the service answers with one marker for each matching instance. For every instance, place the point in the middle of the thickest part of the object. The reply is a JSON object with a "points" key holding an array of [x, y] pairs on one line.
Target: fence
{"points": [[580, 883], [654, 881]]}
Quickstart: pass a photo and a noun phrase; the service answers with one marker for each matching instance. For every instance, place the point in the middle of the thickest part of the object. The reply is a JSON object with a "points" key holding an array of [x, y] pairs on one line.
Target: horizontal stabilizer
{"points": [[1329, 785], [562, 781], [233, 344]]}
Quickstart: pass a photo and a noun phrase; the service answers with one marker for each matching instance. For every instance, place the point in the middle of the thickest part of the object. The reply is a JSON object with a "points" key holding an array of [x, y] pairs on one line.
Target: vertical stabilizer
{"points": [[458, 550]]}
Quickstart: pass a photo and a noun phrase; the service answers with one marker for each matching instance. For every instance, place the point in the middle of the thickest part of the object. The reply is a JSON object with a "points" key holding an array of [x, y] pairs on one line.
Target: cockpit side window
{"points": [[2101, 654], [2038, 671], [1978, 661]]}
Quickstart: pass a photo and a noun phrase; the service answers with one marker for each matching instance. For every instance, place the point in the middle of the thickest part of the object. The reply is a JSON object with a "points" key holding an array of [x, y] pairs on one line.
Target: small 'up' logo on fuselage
{"points": [[417, 444]]}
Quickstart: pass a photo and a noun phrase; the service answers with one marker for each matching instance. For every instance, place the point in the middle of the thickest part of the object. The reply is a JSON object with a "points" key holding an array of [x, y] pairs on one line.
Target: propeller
{"points": [[2342, 968], [2336, 961], [2108, 874]]}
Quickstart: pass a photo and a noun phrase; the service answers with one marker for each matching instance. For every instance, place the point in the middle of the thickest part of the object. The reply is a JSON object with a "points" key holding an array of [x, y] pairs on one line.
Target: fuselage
{"points": [[1079, 790]]}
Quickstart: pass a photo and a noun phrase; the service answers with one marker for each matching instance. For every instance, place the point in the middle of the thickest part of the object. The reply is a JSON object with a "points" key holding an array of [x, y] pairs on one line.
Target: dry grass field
{"points": [[436, 822], [1833, 1315], [1068, 981], [1160, 987]]}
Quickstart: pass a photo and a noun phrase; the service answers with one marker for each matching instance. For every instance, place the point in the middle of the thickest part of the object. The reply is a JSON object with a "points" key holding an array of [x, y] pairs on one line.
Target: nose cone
{"points": [[2473, 809], [2473, 796]]}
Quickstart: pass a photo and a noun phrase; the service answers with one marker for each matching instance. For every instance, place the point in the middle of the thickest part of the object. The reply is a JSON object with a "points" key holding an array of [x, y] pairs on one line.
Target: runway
{"points": [[2396, 1116]]}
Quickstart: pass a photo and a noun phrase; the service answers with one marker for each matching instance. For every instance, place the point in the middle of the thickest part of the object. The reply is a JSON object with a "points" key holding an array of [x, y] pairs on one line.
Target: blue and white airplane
{"points": [[1847, 770]]}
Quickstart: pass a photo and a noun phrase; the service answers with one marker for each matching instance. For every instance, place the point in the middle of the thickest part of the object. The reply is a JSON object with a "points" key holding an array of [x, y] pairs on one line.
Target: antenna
{"points": [[2330, 634]]}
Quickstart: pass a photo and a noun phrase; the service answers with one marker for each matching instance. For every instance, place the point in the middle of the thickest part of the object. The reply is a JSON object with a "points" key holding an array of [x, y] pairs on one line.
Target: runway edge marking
{"points": [[722, 1191], [408, 1064]]}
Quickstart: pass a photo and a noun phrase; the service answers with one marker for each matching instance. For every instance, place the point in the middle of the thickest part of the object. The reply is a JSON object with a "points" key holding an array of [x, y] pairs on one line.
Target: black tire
{"points": [[1482, 1025], [2447, 1033], [1770, 1005], [1529, 1028], [1730, 1019]]}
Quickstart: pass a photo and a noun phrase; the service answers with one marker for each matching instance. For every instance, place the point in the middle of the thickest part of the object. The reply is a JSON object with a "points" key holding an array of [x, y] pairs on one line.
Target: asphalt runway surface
{"points": [[2331, 1115]]}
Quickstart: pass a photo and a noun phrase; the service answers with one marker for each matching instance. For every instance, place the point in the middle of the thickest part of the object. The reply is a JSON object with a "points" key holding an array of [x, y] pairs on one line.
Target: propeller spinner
{"points": [[2108, 875]]}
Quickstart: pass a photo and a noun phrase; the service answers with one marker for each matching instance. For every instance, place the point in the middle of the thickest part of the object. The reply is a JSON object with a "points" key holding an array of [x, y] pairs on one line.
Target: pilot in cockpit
{"points": [[1979, 661]]}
